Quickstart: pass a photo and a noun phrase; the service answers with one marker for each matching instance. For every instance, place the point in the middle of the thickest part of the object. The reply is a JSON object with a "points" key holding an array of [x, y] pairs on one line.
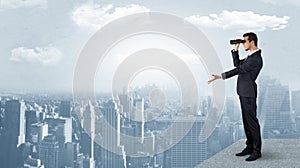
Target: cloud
{"points": [[240, 21], [45, 55], [273, 2], [280, 2], [12, 4], [95, 16]]}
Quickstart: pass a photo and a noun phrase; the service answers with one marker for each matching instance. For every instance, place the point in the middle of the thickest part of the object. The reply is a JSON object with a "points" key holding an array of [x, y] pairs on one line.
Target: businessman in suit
{"points": [[247, 70]]}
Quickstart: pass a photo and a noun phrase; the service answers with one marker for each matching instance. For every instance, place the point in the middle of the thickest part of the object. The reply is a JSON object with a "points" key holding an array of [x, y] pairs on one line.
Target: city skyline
{"points": [[111, 83], [57, 127]]}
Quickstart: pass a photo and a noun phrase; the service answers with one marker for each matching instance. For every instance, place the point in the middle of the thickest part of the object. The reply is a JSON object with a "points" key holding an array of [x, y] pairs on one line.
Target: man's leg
{"points": [[249, 112], [252, 122], [249, 141]]}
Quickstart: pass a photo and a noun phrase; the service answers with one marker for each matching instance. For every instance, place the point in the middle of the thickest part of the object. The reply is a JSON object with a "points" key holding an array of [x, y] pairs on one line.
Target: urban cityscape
{"points": [[54, 131], [124, 84]]}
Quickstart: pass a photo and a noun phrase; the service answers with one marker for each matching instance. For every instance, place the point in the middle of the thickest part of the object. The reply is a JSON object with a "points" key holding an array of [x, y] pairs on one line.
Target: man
{"points": [[247, 70]]}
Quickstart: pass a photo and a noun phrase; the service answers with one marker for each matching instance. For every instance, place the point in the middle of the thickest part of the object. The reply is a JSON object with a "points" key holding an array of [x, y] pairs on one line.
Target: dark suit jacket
{"points": [[247, 71]]}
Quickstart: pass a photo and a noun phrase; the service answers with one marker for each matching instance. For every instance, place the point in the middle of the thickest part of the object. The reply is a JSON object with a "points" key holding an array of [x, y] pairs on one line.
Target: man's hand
{"points": [[236, 46], [215, 78]]}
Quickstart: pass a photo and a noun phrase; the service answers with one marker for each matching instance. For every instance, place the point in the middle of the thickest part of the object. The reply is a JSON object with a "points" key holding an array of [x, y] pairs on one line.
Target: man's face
{"points": [[247, 44]]}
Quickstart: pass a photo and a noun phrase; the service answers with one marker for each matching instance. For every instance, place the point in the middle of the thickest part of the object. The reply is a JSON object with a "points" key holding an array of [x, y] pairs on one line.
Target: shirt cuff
{"points": [[233, 50], [223, 76]]}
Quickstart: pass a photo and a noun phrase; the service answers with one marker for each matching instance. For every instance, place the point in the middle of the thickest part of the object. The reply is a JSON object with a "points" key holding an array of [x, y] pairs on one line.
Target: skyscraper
{"points": [[188, 152], [61, 128], [15, 120], [124, 100], [14, 133], [295, 102], [110, 114], [49, 152], [38, 132], [88, 136], [275, 111], [71, 153], [297, 121], [65, 109], [263, 83], [139, 115], [31, 118]]}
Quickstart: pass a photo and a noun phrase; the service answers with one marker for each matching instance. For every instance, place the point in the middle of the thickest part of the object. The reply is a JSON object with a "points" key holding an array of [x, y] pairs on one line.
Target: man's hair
{"points": [[251, 37]]}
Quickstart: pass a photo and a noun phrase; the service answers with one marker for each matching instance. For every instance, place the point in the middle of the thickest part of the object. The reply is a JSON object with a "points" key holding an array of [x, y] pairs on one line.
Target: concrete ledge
{"points": [[283, 153]]}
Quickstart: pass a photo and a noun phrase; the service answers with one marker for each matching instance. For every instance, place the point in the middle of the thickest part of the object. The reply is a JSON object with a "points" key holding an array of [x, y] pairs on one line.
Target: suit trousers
{"points": [[251, 124]]}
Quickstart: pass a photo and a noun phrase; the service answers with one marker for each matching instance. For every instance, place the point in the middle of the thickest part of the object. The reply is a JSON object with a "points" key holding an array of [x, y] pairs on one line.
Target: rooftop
{"points": [[283, 153]]}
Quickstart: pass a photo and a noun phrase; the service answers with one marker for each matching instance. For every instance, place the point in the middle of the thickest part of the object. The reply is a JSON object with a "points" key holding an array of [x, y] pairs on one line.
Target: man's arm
{"points": [[236, 57], [249, 65], [224, 75], [237, 64], [230, 73]]}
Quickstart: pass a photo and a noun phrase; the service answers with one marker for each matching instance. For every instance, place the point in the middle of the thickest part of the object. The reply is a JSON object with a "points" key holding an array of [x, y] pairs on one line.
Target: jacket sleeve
{"points": [[249, 65], [230, 73], [236, 58]]}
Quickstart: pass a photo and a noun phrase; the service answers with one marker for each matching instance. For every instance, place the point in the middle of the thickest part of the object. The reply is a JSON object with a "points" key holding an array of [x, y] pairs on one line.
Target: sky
{"points": [[41, 40]]}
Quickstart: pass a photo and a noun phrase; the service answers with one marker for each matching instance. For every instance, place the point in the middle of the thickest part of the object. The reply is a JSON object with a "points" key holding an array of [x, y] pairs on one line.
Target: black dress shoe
{"points": [[254, 156], [245, 152]]}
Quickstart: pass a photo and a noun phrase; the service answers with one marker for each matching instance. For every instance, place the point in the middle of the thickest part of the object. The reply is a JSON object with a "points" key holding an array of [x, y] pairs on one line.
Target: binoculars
{"points": [[236, 41]]}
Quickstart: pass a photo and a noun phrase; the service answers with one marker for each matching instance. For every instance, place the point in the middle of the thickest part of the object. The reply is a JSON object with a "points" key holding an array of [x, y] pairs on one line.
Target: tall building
{"points": [[61, 128], [226, 132], [139, 115], [65, 109], [110, 114], [88, 162], [14, 134], [49, 152], [188, 152], [109, 111], [205, 106], [295, 102], [79, 161], [238, 131], [231, 110], [139, 110], [88, 135], [263, 83], [31, 118], [15, 120], [275, 111], [38, 132], [71, 153], [297, 121], [125, 101]]}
